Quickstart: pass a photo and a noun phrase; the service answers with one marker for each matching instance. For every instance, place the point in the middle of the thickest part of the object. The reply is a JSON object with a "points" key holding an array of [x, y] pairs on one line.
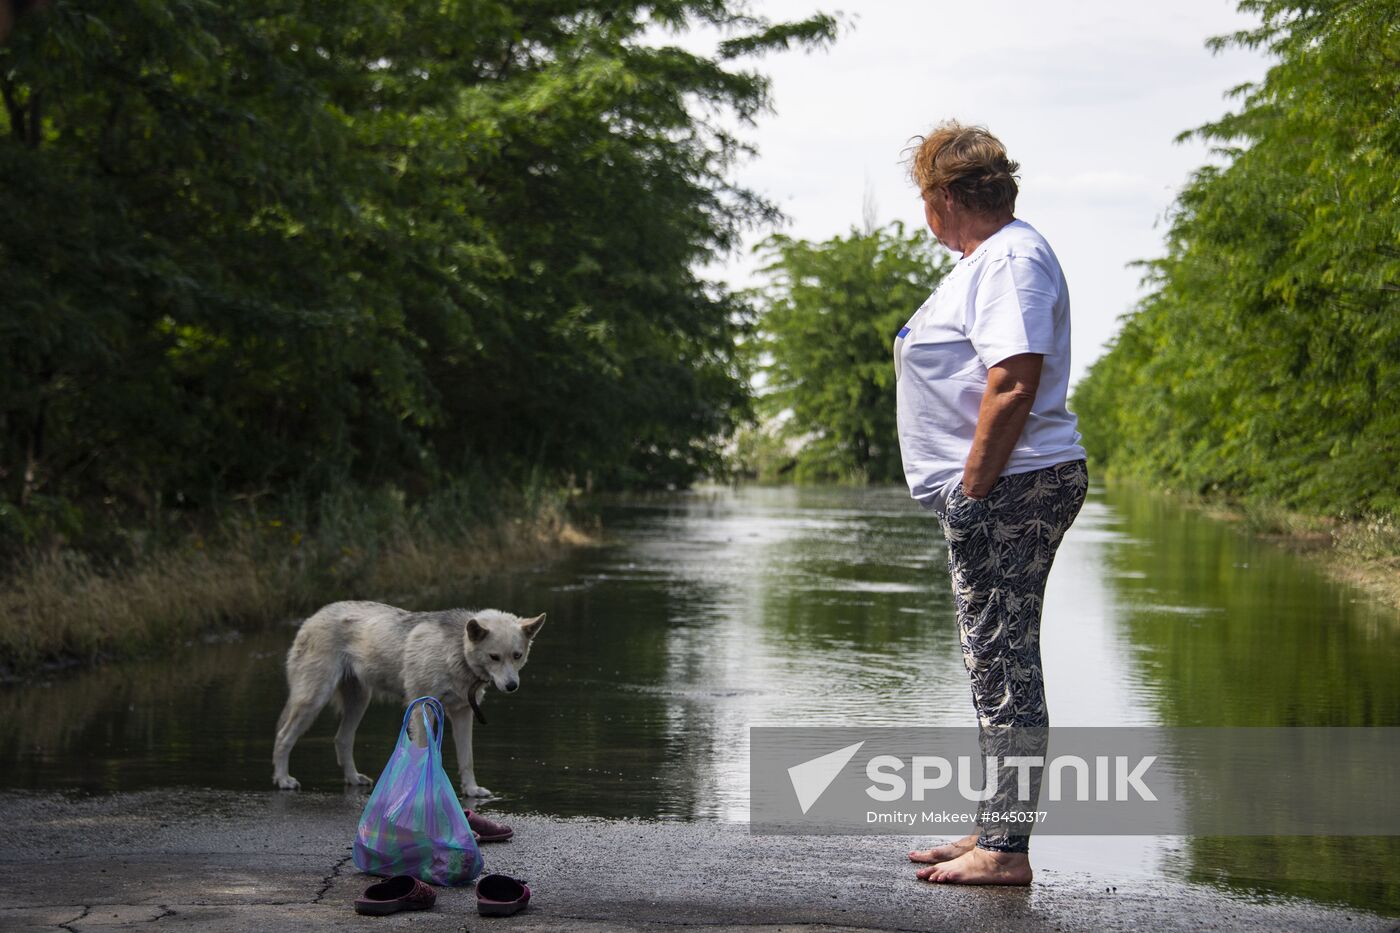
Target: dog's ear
{"points": [[475, 631], [531, 627]]}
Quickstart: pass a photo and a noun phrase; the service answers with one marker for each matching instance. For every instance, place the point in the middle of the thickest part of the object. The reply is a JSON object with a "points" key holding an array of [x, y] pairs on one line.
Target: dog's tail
{"points": [[349, 690]]}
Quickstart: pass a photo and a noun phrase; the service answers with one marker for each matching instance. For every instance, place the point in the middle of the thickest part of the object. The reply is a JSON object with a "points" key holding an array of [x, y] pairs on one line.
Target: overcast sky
{"points": [[1086, 94]]}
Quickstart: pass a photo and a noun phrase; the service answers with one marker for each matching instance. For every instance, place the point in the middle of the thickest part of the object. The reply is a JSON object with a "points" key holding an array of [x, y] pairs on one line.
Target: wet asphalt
{"points": [[224, 861]]}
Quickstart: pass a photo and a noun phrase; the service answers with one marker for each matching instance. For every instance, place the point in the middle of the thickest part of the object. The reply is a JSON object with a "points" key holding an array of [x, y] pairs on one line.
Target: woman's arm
{"points": [[1006, 403]]}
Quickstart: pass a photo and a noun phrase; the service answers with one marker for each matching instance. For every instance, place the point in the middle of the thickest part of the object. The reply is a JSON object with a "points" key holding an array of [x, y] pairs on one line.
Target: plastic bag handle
{"points": [[435, 733]]}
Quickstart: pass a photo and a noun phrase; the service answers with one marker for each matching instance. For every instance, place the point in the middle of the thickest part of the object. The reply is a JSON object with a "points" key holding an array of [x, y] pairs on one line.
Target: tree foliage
{"points": [[830, 312], [1265, 362], [266, 246]]}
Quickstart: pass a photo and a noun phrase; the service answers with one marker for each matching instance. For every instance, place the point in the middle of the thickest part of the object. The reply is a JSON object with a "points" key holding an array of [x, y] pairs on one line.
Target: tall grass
{"points": [[261, 565]]}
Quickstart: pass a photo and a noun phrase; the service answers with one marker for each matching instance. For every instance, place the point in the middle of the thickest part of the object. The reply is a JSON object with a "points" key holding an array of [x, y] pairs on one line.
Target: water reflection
{"points": [[715, 611], [1227, 630]]}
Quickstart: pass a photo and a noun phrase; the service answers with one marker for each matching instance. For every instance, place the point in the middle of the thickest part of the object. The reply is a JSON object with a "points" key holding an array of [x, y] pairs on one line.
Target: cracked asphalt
{"points": [[222, 861]]}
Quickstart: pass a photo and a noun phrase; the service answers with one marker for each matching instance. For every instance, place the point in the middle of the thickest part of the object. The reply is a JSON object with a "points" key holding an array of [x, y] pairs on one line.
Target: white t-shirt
{"points": [[1007, 297]]}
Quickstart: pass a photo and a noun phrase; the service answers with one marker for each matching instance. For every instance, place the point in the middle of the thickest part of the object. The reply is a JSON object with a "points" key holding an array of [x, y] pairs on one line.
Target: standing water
{"points": [[715, 611]]}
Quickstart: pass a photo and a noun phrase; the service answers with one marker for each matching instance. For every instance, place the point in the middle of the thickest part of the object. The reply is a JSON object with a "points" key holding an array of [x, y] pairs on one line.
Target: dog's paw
{"points": [[474, 790], [359, 780], [287, 783]]}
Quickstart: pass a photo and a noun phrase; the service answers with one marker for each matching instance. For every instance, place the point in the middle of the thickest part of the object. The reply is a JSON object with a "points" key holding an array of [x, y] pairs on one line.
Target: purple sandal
{"points": [[401, 892], [488, 830], [501, 895]]}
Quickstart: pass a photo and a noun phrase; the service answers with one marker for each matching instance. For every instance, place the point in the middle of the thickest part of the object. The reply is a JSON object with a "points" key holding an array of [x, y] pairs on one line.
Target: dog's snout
{"points": [[512, 686]]}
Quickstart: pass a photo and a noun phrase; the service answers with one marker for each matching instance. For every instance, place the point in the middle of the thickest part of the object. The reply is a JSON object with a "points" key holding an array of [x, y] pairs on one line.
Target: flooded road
{"points": [[711, 612]]}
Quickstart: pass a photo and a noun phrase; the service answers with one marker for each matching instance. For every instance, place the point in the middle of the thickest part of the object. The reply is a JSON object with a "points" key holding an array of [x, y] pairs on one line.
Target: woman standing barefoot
{"points": [[990, 447]]}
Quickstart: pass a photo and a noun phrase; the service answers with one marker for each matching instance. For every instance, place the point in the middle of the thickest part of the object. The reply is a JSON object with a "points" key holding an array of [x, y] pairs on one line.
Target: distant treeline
{"points": [[825, 341], [258, 248], [1265, 362]]}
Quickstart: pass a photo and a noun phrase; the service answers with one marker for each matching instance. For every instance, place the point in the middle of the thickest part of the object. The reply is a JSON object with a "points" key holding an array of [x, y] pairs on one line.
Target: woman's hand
{"points": [[1006, 403]]}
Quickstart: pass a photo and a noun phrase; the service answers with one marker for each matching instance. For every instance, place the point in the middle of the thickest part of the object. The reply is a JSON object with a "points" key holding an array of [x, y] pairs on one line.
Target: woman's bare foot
{"points": [[946, 852], [981, 866]]}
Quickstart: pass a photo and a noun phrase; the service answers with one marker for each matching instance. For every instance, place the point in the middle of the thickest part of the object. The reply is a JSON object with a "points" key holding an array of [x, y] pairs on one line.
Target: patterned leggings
{"points": [[999, 553]]}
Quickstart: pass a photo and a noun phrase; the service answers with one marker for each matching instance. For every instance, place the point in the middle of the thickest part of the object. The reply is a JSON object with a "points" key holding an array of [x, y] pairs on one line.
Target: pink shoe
{"points": [[501, 895], [401, 892], [488, 830]]}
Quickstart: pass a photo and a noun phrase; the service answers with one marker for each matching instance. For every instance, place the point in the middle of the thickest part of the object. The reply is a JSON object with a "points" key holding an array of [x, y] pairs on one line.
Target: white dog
{"points": [[355, 650]]}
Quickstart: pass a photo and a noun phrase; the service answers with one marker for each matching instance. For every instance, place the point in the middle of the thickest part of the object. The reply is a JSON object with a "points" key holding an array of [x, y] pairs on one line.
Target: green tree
{"points": [[267, 247], [1265, 362], [830, 312]]}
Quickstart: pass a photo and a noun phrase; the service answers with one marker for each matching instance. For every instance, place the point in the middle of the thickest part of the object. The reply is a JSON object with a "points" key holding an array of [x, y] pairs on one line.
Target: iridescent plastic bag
{"points": [[413, 823]]}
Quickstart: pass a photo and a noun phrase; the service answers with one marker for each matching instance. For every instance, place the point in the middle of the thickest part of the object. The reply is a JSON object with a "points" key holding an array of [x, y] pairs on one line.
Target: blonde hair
{"points": [[967, 160]]}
